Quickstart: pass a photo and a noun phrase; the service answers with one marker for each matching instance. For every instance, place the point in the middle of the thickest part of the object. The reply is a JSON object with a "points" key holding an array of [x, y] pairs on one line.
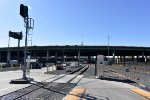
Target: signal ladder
{"points": [[30, 28]]}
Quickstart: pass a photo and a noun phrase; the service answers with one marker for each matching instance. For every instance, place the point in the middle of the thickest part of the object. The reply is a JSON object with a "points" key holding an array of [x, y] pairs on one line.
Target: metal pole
{"points": [[114, 57], [124, 61], [25, 51], [108, 48], [96, 66], [18, 50], [8, 51], [79, 58], [82, 40], [63, 57]]}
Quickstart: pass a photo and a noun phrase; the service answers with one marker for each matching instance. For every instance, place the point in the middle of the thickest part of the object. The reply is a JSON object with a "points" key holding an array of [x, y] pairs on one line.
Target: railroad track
{"points": [[45, 90]]}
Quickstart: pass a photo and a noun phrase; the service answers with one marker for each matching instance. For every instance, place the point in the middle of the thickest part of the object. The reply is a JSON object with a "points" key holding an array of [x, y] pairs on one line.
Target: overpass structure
{"points": [[117, 53]]}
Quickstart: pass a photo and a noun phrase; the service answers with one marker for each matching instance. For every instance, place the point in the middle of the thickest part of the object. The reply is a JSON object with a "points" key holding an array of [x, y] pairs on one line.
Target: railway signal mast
{"points": [[28, 21], [29, 24]]}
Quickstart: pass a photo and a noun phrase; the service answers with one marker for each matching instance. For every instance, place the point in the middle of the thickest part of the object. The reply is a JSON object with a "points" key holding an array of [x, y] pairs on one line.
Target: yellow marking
{"points": [[141, 92], [76, 94]]}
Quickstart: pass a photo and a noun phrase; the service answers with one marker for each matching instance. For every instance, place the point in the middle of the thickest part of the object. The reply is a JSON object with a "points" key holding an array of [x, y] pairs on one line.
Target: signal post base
{"points": [[21, 81]]}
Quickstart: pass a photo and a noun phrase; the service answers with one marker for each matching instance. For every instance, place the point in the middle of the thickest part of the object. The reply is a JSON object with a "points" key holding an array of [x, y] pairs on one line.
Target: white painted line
{"points": [[7, 88], [142, 85], [51, 79], [77, 79], [65, 79]]}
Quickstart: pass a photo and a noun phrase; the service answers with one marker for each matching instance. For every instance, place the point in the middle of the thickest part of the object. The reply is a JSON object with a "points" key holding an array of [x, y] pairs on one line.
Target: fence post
{"points": [[20, 66], [47, 68], [1, 66]]}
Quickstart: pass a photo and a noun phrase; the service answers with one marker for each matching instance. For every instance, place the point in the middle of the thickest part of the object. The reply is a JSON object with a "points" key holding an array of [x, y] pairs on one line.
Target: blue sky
{"points": [[69, 22]]}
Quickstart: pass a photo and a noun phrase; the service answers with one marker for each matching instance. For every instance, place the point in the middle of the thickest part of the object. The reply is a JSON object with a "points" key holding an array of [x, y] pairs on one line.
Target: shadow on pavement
{"points": [[118, 80]]}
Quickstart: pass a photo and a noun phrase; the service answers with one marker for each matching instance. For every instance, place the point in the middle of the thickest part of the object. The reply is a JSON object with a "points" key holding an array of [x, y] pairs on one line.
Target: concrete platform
{"points": [[6, 77], [97, 89]]}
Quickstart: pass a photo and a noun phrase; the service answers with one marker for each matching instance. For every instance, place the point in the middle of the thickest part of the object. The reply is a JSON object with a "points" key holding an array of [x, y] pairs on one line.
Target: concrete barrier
{"points": [[50, 68], [20, 66], [1, 65], [54, 67], [47, 69]]}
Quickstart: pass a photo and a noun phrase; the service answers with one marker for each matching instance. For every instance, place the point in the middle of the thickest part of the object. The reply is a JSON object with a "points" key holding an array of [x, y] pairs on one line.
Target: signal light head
{"points": [[23, 11], [16, 35]]}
